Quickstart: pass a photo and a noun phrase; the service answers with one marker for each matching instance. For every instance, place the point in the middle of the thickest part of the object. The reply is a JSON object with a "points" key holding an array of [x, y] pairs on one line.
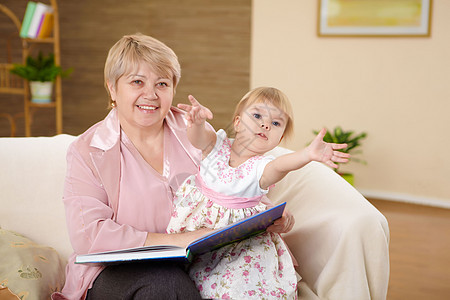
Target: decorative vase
{"points": [[41, 92]]}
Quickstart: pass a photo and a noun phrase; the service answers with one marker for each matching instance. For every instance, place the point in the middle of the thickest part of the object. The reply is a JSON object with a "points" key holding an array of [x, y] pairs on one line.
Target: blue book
{"points": [[220, 237]]}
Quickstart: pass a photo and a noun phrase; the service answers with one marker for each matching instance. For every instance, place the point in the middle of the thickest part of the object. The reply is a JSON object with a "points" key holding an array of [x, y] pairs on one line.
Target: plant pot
{"points": [[348, 177], [41, 92]]}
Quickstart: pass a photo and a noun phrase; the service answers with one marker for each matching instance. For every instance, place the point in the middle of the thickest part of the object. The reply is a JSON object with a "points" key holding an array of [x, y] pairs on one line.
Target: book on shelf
{"points": [[46, 27], [38, 16], [213, 240], [29, 11]]}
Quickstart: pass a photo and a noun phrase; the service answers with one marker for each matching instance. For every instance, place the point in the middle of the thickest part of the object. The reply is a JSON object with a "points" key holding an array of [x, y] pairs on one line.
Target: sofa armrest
{"points": [[339, 239]]}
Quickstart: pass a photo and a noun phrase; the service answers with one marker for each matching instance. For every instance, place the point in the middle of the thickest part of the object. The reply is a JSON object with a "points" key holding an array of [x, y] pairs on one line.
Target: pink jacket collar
{"points": [[107, 134]]}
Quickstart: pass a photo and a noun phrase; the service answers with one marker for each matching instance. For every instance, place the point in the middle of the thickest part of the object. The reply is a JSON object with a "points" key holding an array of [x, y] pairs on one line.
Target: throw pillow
{"points": [[29, 270]]}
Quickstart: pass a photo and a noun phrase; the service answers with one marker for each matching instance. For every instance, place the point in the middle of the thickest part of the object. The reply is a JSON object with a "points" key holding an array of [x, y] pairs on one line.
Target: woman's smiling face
{"points": [[142, 98]]}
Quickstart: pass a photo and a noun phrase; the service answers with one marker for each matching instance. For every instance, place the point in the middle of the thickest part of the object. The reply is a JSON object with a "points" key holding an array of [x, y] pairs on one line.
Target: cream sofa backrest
{"points": [[31, 186]]}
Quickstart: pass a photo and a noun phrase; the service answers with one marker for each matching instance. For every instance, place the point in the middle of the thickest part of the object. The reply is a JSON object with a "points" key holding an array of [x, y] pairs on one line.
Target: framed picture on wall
{"points": [[374, 18]]}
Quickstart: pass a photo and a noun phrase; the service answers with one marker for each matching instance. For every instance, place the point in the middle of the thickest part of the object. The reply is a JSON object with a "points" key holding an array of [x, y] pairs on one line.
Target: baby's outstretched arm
{"points": [[318, 150], [200, 136]]}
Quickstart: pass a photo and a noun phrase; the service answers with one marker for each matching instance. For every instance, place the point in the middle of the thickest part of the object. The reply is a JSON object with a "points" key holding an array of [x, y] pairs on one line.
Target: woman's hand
{"points": [[326, 153], [195, 113], [188, 237], [176, 239], [283, 224]]}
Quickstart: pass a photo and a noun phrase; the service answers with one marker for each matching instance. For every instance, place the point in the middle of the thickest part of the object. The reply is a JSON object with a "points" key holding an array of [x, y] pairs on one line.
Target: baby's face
{"points": [[261, 126]]}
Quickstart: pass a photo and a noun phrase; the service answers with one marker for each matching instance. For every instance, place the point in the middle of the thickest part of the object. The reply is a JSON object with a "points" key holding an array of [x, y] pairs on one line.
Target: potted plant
{"points": [[41, 73], [353, 141]]}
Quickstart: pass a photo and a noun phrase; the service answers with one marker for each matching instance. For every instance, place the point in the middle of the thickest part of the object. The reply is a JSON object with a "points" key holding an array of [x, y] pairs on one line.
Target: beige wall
{"points": [[396, 89]]}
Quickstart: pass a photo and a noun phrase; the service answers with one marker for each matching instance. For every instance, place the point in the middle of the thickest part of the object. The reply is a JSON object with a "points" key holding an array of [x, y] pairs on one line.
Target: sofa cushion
{"points": [[29, 270]]}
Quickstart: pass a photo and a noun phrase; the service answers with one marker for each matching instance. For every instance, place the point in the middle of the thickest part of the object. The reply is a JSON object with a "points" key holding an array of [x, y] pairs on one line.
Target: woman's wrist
{"points": [[176, 239]]}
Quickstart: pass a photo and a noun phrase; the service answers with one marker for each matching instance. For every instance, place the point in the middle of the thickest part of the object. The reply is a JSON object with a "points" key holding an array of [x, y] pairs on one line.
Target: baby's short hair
{"points": [[272, 96]]}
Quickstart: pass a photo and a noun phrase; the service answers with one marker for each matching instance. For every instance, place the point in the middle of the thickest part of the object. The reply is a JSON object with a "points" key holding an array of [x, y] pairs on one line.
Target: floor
{"points": [[419, 251]]}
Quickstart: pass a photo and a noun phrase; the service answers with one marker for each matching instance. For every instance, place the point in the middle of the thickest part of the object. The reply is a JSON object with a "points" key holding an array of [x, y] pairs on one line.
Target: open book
{"points": [[215, 239]]}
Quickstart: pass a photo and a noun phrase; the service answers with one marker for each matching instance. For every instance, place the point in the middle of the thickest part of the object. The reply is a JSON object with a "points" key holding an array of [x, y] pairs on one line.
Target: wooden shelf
{"points": [[12, 91], [27, 45], [57, 90], [34, 104], [49, 40]]}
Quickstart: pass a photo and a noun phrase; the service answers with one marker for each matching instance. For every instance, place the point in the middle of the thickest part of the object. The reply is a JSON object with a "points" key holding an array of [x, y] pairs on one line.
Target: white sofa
{"points": [[31, 186], [331, 216]]}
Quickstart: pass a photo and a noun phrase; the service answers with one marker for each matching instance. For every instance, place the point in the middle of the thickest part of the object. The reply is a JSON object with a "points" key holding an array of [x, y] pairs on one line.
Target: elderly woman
{"points": [[122, 174]]}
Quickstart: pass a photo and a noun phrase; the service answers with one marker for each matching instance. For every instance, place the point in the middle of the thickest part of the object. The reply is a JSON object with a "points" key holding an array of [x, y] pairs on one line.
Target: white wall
{"points": [[396, 89]]}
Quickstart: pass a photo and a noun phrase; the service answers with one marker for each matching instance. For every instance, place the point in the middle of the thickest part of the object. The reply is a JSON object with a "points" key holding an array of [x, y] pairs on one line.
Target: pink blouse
{"points": [[150, 213], [113, 197]]}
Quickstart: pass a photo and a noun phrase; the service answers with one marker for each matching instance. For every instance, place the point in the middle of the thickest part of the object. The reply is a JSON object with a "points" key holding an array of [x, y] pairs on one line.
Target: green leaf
{"points": [[41, 68], [328, 137]]}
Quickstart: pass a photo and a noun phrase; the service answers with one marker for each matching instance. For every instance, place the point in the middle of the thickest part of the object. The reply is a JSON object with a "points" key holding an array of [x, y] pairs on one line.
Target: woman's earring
{"points": [[113, 104]]}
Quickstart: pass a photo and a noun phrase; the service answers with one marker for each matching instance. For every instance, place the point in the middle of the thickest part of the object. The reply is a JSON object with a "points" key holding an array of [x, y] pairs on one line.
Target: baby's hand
{"points": [[195, 113], [283, 224], [327, 152]]}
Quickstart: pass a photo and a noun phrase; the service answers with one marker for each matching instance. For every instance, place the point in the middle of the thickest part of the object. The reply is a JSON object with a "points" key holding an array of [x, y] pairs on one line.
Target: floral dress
{"points": [[259, 267]]}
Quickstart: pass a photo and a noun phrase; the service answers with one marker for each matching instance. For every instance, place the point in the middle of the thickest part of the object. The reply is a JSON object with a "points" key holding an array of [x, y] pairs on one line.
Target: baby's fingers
{"points": [[206, 113], [340, 157], [341, 154], [189, 120], [338, 146], [185, 107], [203, 112], [193, 101], [331, 164]]}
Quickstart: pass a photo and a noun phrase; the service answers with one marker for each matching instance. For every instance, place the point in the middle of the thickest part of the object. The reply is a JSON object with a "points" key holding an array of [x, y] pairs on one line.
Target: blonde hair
{"points": [[271, 96], [132, 50]]}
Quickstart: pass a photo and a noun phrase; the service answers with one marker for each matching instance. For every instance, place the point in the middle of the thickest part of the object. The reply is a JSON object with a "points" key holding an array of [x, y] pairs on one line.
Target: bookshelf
{"points": [[28, 45]]}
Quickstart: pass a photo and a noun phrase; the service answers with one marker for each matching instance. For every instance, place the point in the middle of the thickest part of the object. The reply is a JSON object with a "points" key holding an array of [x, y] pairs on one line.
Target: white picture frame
{"points": [[382, 18]]}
